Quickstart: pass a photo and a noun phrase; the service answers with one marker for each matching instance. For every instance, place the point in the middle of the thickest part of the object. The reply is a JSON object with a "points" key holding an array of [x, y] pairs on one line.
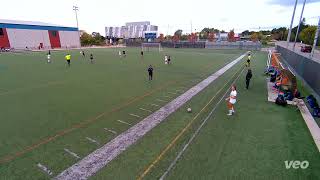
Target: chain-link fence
{"points": [[248, 45]]}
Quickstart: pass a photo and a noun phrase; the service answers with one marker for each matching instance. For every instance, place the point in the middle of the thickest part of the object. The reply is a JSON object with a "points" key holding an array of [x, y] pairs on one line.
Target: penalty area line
{"points": [[134, 115], [123, 122], [45, 169], [109, 130], [71, 153]]}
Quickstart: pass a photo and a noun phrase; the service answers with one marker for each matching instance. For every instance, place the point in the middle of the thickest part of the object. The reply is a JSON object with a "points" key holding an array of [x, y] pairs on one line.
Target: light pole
{"points": [[315, 39], [289, 34], [76, 9], [295, 39]]}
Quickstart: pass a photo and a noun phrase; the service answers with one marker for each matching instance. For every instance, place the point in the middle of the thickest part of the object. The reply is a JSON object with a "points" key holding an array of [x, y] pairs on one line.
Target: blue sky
{"points": [[169, 15]]}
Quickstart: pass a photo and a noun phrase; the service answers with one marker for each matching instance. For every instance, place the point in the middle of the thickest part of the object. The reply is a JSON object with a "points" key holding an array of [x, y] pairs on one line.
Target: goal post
{"points": [[151, 47]]}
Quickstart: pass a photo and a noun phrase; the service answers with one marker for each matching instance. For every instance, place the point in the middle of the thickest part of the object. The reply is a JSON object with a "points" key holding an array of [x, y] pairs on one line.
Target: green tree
{"points": [[184, 37], [86, 39], [205, 32], [307, 35], [279, 33], [254, 37], [178, 33], [98, 39]]}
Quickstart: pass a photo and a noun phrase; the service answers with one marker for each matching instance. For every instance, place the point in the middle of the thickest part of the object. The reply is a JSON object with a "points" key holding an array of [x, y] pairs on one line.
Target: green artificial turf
{"points": [[253, 144], [48, 107], [40, 100]]}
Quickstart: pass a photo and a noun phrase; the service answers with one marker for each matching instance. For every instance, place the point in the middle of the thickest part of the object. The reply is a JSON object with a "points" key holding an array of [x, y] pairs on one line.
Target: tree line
{"points": [[306, 34]]}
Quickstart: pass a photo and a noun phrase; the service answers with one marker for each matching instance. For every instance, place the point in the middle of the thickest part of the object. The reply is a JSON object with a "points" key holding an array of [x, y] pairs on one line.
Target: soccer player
{"points": [[124, 53], [248, 60], [49, 57], [150, 71], [248, 77], [169, 59], [120, 55], [166, 59], [68, 59], [231, 100], [83, 54], [141, 53], [91, 58]]}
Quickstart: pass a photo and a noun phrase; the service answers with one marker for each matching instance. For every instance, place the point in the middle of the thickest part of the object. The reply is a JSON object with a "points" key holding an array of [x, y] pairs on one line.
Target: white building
{"points": [[131, 30], [37, 35]]}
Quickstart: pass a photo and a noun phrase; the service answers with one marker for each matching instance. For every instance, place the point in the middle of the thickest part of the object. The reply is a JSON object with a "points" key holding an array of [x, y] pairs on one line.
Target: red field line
{"points": [[11, 157]]}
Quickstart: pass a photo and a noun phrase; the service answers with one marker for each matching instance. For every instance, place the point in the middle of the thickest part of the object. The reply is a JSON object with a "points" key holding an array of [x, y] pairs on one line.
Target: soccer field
{"points": [[54, 116]]}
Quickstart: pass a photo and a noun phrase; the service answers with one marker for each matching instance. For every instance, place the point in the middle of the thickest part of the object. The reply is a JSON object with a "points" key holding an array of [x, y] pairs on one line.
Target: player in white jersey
{"points": [[231, 100]]}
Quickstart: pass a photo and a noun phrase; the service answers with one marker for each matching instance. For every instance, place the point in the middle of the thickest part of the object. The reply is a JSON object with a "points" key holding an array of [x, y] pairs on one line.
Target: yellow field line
{"points": [[174, 141]]}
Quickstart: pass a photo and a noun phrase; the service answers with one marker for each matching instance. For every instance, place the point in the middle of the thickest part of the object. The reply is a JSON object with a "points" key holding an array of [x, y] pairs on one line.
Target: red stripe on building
{"points": [[4, 39], [54, 39]]}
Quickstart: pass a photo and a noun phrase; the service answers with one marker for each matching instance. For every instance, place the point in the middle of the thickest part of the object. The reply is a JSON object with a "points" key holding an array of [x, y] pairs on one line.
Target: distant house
{"points": [[221, 36]]}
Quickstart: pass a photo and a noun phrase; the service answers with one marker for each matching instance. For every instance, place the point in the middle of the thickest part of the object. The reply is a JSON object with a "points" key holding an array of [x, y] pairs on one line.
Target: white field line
{"points": [[134, 115], [45, 169], [154, 105], [143, 109], [123, 122], [92, 140], [174, 162], [72, 153], [98, 159], [160, 100], [109, 130]]}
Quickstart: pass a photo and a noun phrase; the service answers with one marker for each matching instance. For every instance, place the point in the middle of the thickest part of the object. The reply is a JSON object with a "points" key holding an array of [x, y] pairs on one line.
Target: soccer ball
{"points": [[189, 110]]}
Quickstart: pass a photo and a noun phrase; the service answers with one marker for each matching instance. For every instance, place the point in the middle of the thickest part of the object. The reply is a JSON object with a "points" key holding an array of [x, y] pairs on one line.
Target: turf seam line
{"points": [[109, 130], [174, 162], [123, 122], [154, 105], [45, 169], [93, 141], [145, 110], [134, 115], [98, 159], [72, 153]]}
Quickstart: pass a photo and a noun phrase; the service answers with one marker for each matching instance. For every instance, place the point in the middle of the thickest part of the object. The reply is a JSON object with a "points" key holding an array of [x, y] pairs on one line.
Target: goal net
{"points": [[151, 47]]}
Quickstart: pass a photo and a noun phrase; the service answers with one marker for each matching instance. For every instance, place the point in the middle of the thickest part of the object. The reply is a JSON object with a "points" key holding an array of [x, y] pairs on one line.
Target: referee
{"points": [[150, 71]]}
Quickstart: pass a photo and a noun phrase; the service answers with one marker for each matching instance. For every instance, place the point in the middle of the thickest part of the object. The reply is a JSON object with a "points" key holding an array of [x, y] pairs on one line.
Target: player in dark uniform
{"points": [[83, 54], [91, 58], [124, 53], [169, 59], [141, 53], [150, 71]]}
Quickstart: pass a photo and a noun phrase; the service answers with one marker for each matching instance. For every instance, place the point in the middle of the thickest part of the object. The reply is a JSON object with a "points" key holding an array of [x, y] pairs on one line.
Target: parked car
{"points": [[306, 49]]}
